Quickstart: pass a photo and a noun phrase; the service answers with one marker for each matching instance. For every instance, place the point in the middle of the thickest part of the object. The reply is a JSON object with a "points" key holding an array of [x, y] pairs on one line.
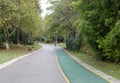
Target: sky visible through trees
{"points": [[86, 24], [44, 4]]}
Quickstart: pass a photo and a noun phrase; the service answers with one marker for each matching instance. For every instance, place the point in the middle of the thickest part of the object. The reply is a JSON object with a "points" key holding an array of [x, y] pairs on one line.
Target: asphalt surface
{"points": [[40, 67]]}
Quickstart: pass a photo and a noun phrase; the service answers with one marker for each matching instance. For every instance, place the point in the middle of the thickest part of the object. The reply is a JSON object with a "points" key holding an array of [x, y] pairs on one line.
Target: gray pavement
{"points": [[40, 67]]}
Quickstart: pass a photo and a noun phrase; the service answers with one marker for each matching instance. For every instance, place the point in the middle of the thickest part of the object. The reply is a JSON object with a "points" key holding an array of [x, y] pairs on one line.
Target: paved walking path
{"points": [[40, 67], [75, 72]]}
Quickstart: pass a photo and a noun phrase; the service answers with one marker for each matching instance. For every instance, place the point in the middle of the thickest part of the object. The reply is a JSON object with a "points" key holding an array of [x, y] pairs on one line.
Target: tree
{"points": [[5, 18], [97, 21], [91, 22], [14, 13], [61, 20]]}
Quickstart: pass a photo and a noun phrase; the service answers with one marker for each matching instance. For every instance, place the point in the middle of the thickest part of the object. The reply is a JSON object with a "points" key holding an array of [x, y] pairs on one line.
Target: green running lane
{"points": [[74, 71]]}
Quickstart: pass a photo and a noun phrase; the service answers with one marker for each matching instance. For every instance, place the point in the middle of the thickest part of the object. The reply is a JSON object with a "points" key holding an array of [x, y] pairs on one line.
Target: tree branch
{"points": [[65, 17]]}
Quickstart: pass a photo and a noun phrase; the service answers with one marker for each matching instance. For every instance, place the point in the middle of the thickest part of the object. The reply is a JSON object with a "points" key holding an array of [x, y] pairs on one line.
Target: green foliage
{"points": [[70, 44], [96, 21], [99, 25], [60, 38], [73, 45], [48, 39], [23, 38], [111, 44], [61, 21], [18, 15], [1, 36], [108, 22]]}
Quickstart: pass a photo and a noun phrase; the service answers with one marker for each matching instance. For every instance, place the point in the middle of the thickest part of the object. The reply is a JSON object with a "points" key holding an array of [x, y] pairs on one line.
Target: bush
{"points": [[48, 40], [60, 38], [111, 44], [73, 44]]}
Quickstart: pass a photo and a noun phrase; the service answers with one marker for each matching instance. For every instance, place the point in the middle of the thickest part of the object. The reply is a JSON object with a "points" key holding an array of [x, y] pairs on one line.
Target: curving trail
{"points": [[40, 67], [75, 72]]}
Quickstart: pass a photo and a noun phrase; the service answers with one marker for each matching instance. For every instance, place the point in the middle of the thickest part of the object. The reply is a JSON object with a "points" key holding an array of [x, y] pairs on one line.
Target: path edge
{"points": [[61, 70], [10, 62], [92, 69]]}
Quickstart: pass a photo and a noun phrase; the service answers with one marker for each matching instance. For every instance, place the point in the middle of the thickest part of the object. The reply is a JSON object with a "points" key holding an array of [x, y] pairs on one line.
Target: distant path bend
{"points": [[40, 67]]}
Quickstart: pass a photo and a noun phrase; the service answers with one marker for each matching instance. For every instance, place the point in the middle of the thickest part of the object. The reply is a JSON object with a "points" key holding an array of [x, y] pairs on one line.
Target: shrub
{"points": [[111, 44], [73, 44]]}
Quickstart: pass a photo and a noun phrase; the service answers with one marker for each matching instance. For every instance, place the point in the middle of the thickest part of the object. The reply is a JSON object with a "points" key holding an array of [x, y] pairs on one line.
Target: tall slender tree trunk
{"points": [[18, 28], [18, 37], [6, 39], [7, 44]]}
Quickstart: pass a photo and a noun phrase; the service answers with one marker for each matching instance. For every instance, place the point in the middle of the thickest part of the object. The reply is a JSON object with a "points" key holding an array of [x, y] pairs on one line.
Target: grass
{"points": [[14, 52], [111, 69]]}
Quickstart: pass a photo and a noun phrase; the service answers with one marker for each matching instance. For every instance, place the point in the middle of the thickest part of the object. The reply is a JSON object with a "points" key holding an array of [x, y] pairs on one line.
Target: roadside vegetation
{"points": [[89, 27], [20, 22], [87, 24], [15, 51], [109, 68]]}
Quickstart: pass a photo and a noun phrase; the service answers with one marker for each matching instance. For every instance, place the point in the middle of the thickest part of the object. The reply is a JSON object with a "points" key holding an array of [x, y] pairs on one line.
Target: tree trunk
{"points": [[6, 36], [18, 40], [7, 44], [6, 39]]}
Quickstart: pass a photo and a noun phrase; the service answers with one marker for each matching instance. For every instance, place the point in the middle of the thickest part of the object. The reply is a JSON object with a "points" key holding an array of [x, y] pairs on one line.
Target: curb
{"points": [[12, 61], [8, 63]]}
